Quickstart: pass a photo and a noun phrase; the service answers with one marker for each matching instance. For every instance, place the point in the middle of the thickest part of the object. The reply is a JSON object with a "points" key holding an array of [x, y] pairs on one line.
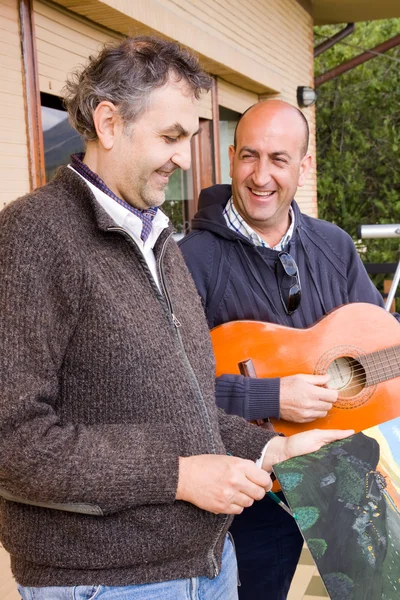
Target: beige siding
{"points": [[205, 106], [235, 98], [8, 588], [277, 36], [14, 173], [220, 56], [63, 43]]}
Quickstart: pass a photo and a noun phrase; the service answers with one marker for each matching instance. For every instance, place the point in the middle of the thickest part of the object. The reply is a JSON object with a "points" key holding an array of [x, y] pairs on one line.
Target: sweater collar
{"points": [[146, 216], [83, 195]]}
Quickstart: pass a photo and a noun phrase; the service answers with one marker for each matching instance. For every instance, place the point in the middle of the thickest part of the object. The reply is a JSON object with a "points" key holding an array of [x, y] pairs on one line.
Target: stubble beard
{"points": [[153, 197]]}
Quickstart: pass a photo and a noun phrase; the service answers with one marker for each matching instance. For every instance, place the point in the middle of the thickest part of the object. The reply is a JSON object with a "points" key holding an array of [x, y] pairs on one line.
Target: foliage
{"points": [[290, 480], [306, 516], [339, 586], [317, 547], [358, 137]]}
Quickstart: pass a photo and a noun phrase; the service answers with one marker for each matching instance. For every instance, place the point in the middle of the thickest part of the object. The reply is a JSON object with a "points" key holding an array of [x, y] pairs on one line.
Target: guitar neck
{"points": [[381, 365]]}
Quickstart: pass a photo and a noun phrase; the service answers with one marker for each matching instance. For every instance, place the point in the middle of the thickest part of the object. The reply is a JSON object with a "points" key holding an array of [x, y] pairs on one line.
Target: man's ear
{"points": [[106, 119], [305, 166], [232, 153]]}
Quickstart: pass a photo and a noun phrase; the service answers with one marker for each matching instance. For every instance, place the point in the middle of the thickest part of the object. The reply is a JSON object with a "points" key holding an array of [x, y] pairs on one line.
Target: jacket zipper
{"points": [[193, 379]]}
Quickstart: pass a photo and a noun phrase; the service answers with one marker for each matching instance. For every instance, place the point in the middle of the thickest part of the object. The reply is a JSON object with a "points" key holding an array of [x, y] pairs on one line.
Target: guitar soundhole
{"points": [[347, 376]]}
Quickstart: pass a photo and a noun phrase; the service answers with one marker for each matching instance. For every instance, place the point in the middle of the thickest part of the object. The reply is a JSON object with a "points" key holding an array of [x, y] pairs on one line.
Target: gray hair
{"points": [[125, 73]]}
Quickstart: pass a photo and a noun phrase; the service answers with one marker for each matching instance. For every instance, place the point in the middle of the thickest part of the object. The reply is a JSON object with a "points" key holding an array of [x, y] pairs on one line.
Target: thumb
{"points": [[332, 435]]}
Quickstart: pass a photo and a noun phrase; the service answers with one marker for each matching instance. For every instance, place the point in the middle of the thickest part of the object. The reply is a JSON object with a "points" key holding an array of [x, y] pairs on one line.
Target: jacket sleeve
{"points": [[248, 397], [237, 395], [44, 459]]}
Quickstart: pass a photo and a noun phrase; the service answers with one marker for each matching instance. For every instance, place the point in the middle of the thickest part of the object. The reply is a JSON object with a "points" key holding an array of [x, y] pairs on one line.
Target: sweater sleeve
{"points": [[47, 460], [242, 439], [248, 397]]}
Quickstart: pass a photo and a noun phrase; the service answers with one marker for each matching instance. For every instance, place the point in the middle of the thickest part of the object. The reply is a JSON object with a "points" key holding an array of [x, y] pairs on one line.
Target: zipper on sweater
{"points": [[211, 554], [203, 408], [175, 321], [163, 298], [166, 300], [193, 378]]}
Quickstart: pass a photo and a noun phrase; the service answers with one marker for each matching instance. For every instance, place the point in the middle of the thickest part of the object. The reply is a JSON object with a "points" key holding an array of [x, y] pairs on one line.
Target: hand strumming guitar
{"points": [[304, 398]]}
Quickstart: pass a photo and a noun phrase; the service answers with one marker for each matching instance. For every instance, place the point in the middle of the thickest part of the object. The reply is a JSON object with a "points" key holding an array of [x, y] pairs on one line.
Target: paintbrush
{"points": [[276, 499]]}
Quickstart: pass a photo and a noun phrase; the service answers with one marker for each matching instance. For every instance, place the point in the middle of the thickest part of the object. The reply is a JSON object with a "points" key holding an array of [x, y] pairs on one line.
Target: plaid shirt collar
{"points": [[146, 216], [235, 222]]}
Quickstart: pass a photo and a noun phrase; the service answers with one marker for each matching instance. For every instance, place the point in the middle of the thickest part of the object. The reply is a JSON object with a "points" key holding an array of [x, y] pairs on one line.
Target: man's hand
{"points": [[221, 484], [303, 398], [282, 448]]}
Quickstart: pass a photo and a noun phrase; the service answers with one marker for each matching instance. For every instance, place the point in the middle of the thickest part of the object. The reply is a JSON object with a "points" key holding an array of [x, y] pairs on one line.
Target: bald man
{"points": [[254, 255]]}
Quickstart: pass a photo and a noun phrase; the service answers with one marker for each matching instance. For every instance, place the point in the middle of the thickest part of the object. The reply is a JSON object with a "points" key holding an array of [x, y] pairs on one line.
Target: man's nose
{"points": [[183, 156], [262, 173]]}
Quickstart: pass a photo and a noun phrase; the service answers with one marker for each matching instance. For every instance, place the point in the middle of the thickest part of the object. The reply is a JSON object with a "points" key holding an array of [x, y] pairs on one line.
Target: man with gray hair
{"points": [[118, 474]]}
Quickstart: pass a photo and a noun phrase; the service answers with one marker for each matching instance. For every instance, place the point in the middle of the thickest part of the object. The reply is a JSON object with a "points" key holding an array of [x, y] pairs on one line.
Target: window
{"points": [[227, 123], [59, 138], [178, 196]]}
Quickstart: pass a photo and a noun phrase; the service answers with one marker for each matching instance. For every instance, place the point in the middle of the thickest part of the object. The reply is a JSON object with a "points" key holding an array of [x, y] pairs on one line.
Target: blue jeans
{"points": [[223, 587]]}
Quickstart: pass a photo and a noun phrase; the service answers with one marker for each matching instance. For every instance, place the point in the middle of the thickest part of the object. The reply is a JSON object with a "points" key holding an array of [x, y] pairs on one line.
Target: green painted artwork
{"points": [[346, 498]]}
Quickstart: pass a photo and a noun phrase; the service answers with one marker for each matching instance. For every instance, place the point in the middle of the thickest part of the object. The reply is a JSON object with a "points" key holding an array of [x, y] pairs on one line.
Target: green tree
{"points": [[358, 137]]}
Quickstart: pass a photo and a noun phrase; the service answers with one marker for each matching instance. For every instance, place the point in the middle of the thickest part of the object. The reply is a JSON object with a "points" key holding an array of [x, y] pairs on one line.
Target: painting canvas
{"points": [[346, 498]]}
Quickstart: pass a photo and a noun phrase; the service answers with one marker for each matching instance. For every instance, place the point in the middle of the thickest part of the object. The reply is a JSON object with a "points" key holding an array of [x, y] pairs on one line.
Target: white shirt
{"points": [[128, 221]]}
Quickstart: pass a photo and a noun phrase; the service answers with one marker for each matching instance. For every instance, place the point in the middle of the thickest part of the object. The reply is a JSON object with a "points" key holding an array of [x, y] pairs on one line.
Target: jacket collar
{"points": [[210, 216]]}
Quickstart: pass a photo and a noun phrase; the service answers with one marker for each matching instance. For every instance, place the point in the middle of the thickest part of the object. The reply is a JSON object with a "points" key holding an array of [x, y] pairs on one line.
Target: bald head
{"points": [[267, 164], [274, 110]]}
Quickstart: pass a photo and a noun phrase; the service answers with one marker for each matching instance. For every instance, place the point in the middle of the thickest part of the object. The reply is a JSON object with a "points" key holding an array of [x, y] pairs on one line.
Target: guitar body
{"points": [[341, 343]]}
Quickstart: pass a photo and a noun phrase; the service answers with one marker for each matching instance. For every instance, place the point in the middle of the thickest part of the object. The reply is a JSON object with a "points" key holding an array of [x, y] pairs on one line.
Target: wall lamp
{"points": [[306, 96]]}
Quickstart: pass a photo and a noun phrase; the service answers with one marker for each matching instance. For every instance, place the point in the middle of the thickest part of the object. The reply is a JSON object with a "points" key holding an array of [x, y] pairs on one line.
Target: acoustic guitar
{"points": [[358, 344]]}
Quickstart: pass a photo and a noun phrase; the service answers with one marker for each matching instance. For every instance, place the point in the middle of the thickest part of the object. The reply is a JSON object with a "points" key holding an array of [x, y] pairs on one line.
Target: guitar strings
{"points": [[376, 369], [388, 362], [358, 370]]}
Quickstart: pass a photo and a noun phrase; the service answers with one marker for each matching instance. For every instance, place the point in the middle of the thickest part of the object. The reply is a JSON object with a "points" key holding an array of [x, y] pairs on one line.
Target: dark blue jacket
{"points": [[236, 280]]}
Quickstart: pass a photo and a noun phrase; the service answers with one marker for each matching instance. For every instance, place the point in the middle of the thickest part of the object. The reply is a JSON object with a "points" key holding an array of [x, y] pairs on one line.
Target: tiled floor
{"points": [[307, 584]]}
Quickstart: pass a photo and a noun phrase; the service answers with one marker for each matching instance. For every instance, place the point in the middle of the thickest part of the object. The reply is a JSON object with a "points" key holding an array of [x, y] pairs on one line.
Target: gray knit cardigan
{"points": [[100, 394]]}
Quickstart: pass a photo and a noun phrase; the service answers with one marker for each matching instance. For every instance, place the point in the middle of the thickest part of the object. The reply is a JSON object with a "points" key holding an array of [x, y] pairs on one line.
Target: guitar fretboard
{"points": [[381, 365]]}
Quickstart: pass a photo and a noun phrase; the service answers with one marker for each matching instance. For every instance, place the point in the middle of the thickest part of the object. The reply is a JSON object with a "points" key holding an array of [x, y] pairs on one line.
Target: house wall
{"points": [[278, 36], [236, 40], [14, 171], [63, 43]]}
